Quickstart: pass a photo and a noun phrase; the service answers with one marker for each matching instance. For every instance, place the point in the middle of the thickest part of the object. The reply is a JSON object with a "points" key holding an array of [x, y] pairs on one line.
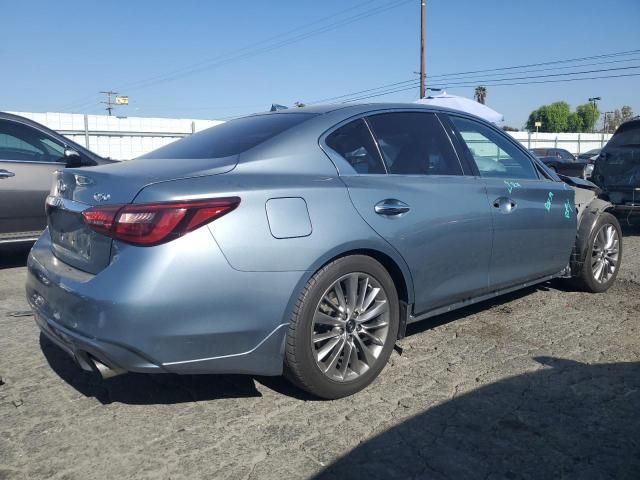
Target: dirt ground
{"points": [[544, 383]]}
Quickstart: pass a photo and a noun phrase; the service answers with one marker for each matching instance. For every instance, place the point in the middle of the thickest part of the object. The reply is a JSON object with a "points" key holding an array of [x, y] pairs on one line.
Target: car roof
{"points": [[355, 108]]}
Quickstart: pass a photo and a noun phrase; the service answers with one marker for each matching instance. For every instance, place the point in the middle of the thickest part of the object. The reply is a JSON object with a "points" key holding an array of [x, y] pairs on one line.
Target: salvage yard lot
{"points": [[543, 383]]}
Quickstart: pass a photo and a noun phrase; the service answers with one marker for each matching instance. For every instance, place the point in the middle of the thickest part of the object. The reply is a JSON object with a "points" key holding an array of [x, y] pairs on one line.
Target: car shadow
{"points": [[630, 230], [567, 420], [146, 389], [14, 255]]}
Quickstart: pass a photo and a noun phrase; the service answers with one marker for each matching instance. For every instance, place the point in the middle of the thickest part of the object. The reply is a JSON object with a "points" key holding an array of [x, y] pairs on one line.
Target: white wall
{"points": [[574, 142], [124, 138], [121, 138]]}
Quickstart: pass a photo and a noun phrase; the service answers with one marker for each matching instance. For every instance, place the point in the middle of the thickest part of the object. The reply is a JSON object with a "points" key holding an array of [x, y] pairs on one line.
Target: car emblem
{"points": [[101, 197]]}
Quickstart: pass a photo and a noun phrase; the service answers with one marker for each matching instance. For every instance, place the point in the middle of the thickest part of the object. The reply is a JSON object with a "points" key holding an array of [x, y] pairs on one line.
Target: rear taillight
{"points": [[153, 223]]}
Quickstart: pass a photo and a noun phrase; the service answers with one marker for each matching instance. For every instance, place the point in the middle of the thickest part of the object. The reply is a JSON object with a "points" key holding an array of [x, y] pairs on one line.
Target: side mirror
{"points": [[72, 158]]}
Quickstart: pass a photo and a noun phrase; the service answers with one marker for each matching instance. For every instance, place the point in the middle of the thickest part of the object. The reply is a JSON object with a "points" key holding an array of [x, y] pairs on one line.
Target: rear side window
{"points": [[230, 138], [354, 143], [414, 143], [494, 155]]}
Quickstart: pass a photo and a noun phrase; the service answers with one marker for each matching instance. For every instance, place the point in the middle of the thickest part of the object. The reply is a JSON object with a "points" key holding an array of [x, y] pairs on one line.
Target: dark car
{"points": [[617, 169], [29, 155], [561, 161]]}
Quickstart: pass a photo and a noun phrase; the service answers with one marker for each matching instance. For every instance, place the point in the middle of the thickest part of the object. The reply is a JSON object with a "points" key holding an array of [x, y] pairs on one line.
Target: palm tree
{"points": [[480, 94]]}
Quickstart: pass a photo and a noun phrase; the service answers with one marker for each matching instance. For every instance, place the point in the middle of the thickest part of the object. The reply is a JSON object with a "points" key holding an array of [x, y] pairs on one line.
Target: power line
{"points": [[497, 69], [497, 84], [256, 50]]}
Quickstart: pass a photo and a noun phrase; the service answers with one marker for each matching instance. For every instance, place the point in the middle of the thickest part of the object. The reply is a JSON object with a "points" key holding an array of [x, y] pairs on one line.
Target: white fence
{"points": [[576, 143], [124, 138], [121, 138]]}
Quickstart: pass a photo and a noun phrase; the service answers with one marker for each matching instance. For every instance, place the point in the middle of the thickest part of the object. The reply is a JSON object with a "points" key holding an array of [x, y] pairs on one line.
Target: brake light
{"points": [[149, 224]]}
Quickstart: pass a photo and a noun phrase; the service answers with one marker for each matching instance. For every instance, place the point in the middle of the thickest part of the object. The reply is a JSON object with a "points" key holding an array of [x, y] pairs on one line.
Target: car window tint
{"points": [[494, 155], [414, 143], [354, 143], [21, 143], [230, 138]]}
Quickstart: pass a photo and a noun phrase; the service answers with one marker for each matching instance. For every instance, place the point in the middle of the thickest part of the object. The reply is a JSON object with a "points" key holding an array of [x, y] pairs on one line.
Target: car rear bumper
{"points": [[177, 308]]}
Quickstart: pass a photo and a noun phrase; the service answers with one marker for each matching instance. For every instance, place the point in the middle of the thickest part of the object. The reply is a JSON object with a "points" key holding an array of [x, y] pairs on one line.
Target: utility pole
{"points": [[422, 2], [109, 103], [593, 101]]}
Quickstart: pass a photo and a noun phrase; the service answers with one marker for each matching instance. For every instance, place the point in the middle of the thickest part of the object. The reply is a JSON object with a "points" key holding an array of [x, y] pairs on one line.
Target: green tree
{"points": [[574, 123], [557, 117], [480, 94], [589, 114]]}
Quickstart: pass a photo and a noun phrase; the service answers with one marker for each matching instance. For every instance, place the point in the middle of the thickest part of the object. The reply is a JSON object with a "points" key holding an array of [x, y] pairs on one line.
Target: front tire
{"points": [[343, 328], [602, 255]]}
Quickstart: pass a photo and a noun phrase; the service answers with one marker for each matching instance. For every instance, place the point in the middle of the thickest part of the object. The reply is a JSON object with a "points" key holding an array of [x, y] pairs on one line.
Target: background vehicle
{"points": [[617, 170], [589, 157], [29, 154], [303, 241], [561, 161]]}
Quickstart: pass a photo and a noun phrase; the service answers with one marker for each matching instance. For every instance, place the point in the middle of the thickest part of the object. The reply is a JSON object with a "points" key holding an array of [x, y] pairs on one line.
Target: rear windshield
{"points": [[628, 134], [230, 138]]}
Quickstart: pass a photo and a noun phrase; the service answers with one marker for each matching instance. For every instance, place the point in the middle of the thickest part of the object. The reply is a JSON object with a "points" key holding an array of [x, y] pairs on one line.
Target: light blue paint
{"points": [[511, 186], [567, 209], [547, 204]]}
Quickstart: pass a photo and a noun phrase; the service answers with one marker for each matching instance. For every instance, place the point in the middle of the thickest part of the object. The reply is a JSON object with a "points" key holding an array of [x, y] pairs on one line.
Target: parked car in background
{"points": [[589, 157], [303, 242], [617, 170], [29, 155], [561, 161]]}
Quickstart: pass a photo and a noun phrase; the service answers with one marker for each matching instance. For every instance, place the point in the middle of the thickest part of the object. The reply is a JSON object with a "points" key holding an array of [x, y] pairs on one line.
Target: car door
{"points": [[534, 219], [28, 158], [572, 166], [408, 184]]}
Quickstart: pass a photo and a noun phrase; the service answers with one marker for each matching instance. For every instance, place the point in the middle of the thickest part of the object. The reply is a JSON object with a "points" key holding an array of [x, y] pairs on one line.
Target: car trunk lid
{"points": [[75, 190]]}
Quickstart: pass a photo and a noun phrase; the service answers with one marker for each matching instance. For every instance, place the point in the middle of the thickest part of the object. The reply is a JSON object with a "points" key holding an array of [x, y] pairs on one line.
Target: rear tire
{"points": [[343, 328], [602, 253]]}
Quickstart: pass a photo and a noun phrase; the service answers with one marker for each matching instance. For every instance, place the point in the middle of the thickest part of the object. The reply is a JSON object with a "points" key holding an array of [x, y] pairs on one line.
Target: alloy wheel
{"points": [[350, 326], [604, 254]]}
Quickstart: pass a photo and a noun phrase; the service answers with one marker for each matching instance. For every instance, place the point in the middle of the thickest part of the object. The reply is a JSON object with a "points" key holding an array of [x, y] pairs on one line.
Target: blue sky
{"points": [[56, 56]]}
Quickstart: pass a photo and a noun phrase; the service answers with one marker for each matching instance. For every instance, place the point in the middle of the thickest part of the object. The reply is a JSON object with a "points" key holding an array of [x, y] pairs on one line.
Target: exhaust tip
{"points": [[105, 371]]}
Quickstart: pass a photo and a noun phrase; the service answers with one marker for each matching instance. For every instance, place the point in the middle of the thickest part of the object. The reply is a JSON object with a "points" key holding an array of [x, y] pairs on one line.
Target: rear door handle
{"points": [[6, 174], [391, 207], [505, 204]]}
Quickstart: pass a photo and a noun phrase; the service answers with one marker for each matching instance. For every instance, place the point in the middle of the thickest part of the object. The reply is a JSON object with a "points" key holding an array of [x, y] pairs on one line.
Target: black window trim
{"points": [[344, 168]]}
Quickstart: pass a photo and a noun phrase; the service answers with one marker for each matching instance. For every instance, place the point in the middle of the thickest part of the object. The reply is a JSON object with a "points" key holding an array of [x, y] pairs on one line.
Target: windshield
{"points": [[230, 138]]}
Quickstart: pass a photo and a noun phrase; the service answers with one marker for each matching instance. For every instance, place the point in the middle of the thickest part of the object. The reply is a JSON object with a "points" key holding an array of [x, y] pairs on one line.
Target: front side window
{"points": [[494, 155], [354, 143], [20, 143], [414, 143]]}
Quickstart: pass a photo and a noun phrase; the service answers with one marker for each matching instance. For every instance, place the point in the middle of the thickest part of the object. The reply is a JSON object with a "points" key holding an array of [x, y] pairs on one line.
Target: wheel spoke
{"points": [[363, 293], [367, 354], [370, 298], [324, 319], [319, 337], [346, 358], [327, 348], [374, 324], [331, 304], [375, 340], [352, 291], [379, 308], [340, 295], [335, 355]]}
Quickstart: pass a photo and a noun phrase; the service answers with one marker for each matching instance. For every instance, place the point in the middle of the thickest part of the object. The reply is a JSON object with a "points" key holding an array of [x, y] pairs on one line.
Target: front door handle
{"points": [[6, 174], [505, 204], [391, 207]]}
